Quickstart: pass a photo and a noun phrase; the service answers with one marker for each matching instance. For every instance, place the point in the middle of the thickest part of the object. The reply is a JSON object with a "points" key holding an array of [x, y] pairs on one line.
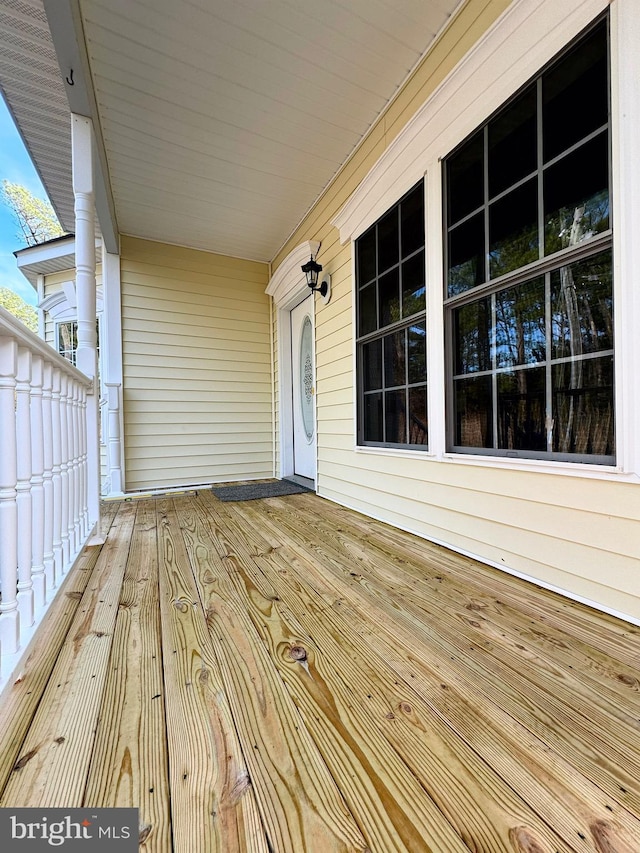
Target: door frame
{"points": [[288, 287]]}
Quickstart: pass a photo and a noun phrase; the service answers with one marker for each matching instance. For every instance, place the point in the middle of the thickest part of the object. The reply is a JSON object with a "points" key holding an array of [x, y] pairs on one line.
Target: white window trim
{"points": [[525, 37], [63, 320]]}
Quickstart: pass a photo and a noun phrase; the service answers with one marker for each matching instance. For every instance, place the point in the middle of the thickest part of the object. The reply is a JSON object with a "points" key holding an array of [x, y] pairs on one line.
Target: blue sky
{"points": [[15, 166]]}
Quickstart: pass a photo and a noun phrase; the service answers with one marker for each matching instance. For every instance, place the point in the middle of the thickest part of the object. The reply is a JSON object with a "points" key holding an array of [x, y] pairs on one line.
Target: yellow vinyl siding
{"points": [[197, 367], [52, 284], [569, 530]]}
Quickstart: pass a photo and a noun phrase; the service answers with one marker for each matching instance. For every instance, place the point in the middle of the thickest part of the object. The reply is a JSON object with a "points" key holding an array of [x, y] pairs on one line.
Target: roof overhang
{"points": [[46, 258]]}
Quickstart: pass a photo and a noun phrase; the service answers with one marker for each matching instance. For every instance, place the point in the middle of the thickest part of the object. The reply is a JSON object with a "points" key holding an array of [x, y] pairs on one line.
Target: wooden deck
{"points": [[287, 675]]}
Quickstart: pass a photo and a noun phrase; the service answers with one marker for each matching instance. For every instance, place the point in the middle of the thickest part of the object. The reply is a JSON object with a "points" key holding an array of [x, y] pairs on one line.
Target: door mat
{"points": [[255, 491]]}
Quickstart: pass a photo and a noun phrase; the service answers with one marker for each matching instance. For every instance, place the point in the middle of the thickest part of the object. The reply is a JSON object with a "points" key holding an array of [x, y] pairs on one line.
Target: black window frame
{"points": [[543, 267], [408, 327]]}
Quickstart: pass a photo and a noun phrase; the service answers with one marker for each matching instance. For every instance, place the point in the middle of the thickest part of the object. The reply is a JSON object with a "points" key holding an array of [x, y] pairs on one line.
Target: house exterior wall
{"points": [[197, 367], [568, 527]]}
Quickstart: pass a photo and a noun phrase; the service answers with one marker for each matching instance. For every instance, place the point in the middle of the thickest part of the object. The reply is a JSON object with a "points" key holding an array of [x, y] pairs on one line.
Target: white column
{"points": [[23, 486], [40, 287], [114, 450], [37, 484], [56, 476], [47, 478], [86, 360], [111, 365], [9, 616]]}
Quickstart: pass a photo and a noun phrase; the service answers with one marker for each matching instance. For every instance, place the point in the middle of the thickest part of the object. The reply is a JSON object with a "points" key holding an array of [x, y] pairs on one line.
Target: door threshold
{"points": [[307, 482]]}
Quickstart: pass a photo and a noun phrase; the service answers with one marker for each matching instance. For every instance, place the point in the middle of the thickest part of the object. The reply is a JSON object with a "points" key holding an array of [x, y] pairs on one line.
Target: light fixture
{"points": [[312, 270]]}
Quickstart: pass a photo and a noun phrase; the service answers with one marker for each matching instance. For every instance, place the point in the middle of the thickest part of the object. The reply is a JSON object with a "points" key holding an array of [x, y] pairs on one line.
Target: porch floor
{"points": [[287, 675]]}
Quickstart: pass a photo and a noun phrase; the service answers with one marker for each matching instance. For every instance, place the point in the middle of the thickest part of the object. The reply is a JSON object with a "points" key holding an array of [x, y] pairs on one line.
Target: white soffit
{"points": [[33, 88], [224, 121]]}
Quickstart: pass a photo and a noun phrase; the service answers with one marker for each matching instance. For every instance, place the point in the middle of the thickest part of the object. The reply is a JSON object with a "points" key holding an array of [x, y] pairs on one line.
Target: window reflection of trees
{"points": [[536, 352]]}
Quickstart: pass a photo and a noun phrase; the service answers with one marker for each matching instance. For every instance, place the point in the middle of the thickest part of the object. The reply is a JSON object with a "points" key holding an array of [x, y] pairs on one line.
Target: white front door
{"points": [[303, 380]]}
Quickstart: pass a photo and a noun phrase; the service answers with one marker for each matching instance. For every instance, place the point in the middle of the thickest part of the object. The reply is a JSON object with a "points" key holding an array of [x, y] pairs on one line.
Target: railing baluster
{"points": [[47, 486], [23, 487], [9, 616], [56, 456], [37, 485], [64, 470], [74, 479], [83, 464], [43, 480]]}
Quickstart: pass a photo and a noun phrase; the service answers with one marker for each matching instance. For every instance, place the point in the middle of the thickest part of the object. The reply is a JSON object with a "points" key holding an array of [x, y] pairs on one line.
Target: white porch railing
{"points": [[44, 517]]}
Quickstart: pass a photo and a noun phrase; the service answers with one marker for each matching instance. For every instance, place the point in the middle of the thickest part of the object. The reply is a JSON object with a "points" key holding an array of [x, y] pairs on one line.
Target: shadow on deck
{"points": [[287, 675]]}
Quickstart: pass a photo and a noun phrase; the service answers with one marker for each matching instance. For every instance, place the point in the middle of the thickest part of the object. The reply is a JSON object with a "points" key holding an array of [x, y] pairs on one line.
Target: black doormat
{"points": [[254, 491]]}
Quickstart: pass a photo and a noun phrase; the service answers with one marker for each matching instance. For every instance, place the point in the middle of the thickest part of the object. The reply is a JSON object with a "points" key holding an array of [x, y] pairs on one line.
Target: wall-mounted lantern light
{"points": [[312, 271]]}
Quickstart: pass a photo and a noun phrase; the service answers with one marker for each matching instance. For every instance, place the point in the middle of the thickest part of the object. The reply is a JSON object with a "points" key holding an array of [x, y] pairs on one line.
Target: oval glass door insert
{"points": [[306, 377]]}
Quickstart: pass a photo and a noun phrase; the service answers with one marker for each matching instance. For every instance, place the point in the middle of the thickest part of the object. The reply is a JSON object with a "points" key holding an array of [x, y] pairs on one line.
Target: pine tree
{"points": [[36, 218], [16, 305]]}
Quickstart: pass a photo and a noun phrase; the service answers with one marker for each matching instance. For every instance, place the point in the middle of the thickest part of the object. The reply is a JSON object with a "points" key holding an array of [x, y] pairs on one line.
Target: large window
{"points": [[528, 303], [391, 320]]}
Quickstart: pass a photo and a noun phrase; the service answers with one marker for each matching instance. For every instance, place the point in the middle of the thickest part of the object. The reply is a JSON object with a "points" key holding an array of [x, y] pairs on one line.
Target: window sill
{"points": [[566, 469], [544, 466], [396, 451]]}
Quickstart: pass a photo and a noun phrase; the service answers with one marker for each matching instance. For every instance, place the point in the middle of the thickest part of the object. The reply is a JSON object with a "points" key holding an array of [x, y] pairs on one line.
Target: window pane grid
{"points": [[521, 234], [391, 312], [577, 145], [564, 256], [539, 381], [554, 393]]}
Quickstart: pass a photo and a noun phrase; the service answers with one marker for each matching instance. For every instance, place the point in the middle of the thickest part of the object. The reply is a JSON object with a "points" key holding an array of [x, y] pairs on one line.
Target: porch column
{"points": [[86, 355], [111, 333]]}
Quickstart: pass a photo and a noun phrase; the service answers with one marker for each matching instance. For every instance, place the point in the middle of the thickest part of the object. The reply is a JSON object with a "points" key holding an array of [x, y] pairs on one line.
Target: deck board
{"points": [[299, 802], [357, 690], [602, 745], [129, 760], [22, 699], [383, 795], [213, 806], [457, 688], [54, 759], [288, 675]]}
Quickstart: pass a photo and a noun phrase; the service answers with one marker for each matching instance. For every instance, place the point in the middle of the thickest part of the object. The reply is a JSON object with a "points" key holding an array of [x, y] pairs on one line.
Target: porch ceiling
{"points": [[223, 122]]}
